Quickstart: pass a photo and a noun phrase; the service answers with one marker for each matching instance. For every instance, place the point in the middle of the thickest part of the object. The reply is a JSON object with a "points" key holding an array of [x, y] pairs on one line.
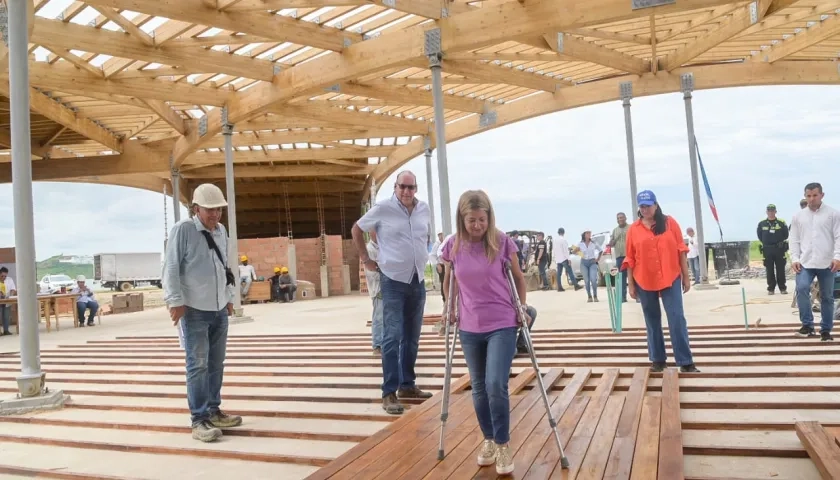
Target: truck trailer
{"points": [[124, 271]]}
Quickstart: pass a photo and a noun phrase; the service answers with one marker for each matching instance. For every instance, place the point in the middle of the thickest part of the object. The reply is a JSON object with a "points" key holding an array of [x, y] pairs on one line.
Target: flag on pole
{"points": [[708, 188]]}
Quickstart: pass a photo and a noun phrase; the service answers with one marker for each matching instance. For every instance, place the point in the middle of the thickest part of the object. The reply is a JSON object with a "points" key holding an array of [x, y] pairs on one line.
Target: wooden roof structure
{"points": [[327, 97]]}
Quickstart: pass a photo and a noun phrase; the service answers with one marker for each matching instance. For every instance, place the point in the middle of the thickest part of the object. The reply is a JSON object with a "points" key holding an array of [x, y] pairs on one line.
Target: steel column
{"points": [[233, 247], [435, 54], [176, 195], [30, 381], [427, 145], [687, 85], [626, 92]]}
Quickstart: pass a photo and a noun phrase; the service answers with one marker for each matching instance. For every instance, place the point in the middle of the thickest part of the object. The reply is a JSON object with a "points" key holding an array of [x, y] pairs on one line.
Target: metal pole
{"points": [[176, 195], [427, 145], [30, 380], [435, 54], [687, 83], [233, 247], [626, 91]]}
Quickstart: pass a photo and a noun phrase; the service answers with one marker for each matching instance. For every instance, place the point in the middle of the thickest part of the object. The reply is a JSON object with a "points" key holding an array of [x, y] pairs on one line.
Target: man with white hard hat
{"points": [[198, 289], [85, 301]]}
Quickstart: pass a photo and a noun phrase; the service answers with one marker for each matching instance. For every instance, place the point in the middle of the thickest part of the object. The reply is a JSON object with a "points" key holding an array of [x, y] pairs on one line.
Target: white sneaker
{"points": [[487, 455], [504, 460]]}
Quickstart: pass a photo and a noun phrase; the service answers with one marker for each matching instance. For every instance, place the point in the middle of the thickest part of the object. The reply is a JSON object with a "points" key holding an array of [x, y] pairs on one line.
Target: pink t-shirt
{"points": [[484, 300]]}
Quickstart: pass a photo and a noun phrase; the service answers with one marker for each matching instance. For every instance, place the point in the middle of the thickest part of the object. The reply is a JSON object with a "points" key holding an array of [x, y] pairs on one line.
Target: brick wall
{"points": [[7, 259], [266, 253]]}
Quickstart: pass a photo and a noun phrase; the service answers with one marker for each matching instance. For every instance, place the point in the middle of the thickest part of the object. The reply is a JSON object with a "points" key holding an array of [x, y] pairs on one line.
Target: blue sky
{"points": [[760, 145]]}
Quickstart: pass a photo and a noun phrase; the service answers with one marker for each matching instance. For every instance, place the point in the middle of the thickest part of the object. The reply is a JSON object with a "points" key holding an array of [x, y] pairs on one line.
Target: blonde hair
{"points": [[476, 200]]}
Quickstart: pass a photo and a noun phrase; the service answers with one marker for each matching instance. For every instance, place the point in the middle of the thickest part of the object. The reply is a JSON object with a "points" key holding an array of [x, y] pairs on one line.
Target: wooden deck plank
{"points": [[547, 462], [621, 456], [670, 434], [522, 380], [413, 415], [595, 462], [822, 447], [646, 455]]}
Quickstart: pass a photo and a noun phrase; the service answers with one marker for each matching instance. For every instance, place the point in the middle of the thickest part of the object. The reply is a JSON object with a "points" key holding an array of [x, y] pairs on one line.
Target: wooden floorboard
{"points": [[822, 447]]}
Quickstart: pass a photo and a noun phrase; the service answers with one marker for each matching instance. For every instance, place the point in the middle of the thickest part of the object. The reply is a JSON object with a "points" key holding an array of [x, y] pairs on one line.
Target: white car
{"points": [[53, 283]]}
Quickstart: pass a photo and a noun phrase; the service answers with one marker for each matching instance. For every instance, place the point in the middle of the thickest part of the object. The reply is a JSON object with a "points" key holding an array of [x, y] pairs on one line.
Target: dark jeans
{"points": [[774, 263], [489, 357], [6, 313], [205, 344], [618, 262], [567, 266], [520, 339], [543, 277], [82, 306], [673, 302], [402, 319], [694, 265], [440, 269], [804, 279]]}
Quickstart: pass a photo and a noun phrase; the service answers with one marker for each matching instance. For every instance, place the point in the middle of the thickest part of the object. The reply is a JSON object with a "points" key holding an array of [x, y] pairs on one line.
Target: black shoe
{"points": [[589, 300], [657, 366], [577, 287], [690, 368], [805, 332], [561, 289], [90, 324], [521, 350], [771, 292], [783, 290], [826, 336]]}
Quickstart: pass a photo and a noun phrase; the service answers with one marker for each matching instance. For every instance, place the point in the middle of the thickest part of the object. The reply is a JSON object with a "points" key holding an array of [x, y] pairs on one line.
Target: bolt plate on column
{"points": [[432, 44], [202, 126], [687, 82], [487, 119], [626, 90]]}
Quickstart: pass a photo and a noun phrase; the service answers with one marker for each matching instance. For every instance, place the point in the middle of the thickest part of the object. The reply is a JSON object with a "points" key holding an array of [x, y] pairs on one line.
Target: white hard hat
{"points": [[81, 278], [208, 195]]}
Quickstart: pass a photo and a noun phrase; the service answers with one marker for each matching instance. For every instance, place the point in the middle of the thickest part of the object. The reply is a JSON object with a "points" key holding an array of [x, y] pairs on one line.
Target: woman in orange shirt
{"points": [[657, 268]]}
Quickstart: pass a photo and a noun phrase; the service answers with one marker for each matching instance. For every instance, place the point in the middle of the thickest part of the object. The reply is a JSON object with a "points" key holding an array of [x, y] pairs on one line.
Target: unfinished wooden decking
{"points": [[311, 408]]}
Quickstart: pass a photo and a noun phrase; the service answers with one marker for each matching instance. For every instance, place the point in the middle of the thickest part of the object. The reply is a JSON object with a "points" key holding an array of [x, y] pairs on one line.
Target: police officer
{"points": [[773, 234]]}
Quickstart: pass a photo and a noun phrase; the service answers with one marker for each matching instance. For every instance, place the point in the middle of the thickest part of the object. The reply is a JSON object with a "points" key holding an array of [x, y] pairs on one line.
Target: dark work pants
{"points": [[774, 262]]}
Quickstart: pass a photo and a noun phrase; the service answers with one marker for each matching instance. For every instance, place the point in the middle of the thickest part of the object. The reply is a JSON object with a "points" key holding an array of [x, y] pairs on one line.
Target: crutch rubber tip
{"points": [[564, 463], [440, 455]]}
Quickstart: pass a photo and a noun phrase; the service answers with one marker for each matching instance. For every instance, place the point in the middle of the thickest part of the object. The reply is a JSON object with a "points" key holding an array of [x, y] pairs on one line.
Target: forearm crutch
{"points": [[524, 330], [449, 316]]}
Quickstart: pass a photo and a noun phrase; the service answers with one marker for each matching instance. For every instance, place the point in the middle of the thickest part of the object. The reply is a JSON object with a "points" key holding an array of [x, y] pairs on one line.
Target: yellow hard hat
{"points": [[243, 258], [284, 270], [276, 269]]}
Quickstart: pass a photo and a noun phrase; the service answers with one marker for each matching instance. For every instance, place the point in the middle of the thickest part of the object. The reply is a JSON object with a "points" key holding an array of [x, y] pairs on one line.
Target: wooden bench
{"points": [[823, 446]]}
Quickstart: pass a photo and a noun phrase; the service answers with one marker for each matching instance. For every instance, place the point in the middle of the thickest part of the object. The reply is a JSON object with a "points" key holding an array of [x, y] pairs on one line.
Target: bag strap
{"points": [[212, 244]]}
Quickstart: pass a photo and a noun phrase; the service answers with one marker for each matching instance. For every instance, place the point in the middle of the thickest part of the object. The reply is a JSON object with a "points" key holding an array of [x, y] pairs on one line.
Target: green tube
{"points": [[744, 300], [620, 304], [610, 300]]}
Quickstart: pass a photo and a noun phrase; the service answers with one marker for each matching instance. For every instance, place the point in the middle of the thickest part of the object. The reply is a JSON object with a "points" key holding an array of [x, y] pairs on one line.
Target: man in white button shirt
{"points": [[815, 252], [401, 224]]}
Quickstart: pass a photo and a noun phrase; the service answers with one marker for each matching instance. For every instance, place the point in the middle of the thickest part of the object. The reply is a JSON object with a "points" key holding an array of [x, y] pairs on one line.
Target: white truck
{"points": [[124, 271]]}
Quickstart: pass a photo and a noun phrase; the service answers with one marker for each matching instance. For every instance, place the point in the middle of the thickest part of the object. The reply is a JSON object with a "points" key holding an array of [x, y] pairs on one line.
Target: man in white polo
{"points": [[815, 253], [401, 224]]}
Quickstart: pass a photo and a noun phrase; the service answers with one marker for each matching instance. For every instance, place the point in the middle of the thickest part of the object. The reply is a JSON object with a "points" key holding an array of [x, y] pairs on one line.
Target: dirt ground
{"points": [[152, 296]]}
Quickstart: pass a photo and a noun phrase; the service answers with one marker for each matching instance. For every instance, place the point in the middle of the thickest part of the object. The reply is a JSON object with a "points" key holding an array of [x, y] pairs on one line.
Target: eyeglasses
{"points": [[406, 187]]}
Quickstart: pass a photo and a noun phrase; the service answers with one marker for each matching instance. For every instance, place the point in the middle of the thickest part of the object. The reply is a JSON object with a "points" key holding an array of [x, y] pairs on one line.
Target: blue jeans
{"points": [[589, 269], [618, 262], [543, 277], [6, 313], [673, 302], [402, 319], [82, 306], [825, 277], [205, 344], [694, 265], [376, 322], [567, 266], [489, 357]]}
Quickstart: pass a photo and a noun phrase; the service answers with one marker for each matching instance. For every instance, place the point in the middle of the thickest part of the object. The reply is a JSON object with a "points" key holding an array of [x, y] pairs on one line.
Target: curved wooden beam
{"points": [[705, 77]]}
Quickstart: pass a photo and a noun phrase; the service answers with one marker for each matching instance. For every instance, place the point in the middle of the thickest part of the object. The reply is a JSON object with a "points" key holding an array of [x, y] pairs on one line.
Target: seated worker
{"points": [[287, 286], [247, 274], [7, 289], [85, 301], [275, 285]]}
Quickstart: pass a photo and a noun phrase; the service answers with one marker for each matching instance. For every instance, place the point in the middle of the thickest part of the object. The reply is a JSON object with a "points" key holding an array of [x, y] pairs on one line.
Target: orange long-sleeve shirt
{"points": [[655, 259]]}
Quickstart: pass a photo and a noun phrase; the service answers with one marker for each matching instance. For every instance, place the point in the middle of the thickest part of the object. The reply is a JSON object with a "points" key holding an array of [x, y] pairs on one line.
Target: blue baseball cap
{"points": [[645, 197]]}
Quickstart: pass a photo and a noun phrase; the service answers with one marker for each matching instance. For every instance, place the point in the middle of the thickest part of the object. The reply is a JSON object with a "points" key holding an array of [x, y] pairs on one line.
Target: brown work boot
{"points": [[221, 419], [412, 392], [391, 405]]}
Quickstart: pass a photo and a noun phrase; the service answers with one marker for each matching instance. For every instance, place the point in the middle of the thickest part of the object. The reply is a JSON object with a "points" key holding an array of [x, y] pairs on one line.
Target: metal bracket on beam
{"points": [[347, 42], [333, 88], [202, 126], [444, 12], [560, 37], [390, 3], [638, 4], [432, 46], [227, 127], [487, 119], [427, 144], [625, 91], [277, 68], [4, 23], [687, 83], [754, 12], [370, 36]]}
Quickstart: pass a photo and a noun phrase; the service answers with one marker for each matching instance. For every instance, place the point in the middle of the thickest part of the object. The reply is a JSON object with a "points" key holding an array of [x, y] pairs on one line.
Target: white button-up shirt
{"points": [[815, 237], [372, 276], [561, 250], [402, 237]]}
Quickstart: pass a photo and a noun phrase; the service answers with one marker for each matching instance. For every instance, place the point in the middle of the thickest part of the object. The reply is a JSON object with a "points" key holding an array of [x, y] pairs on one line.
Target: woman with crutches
{"points": [[487, 318]]}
